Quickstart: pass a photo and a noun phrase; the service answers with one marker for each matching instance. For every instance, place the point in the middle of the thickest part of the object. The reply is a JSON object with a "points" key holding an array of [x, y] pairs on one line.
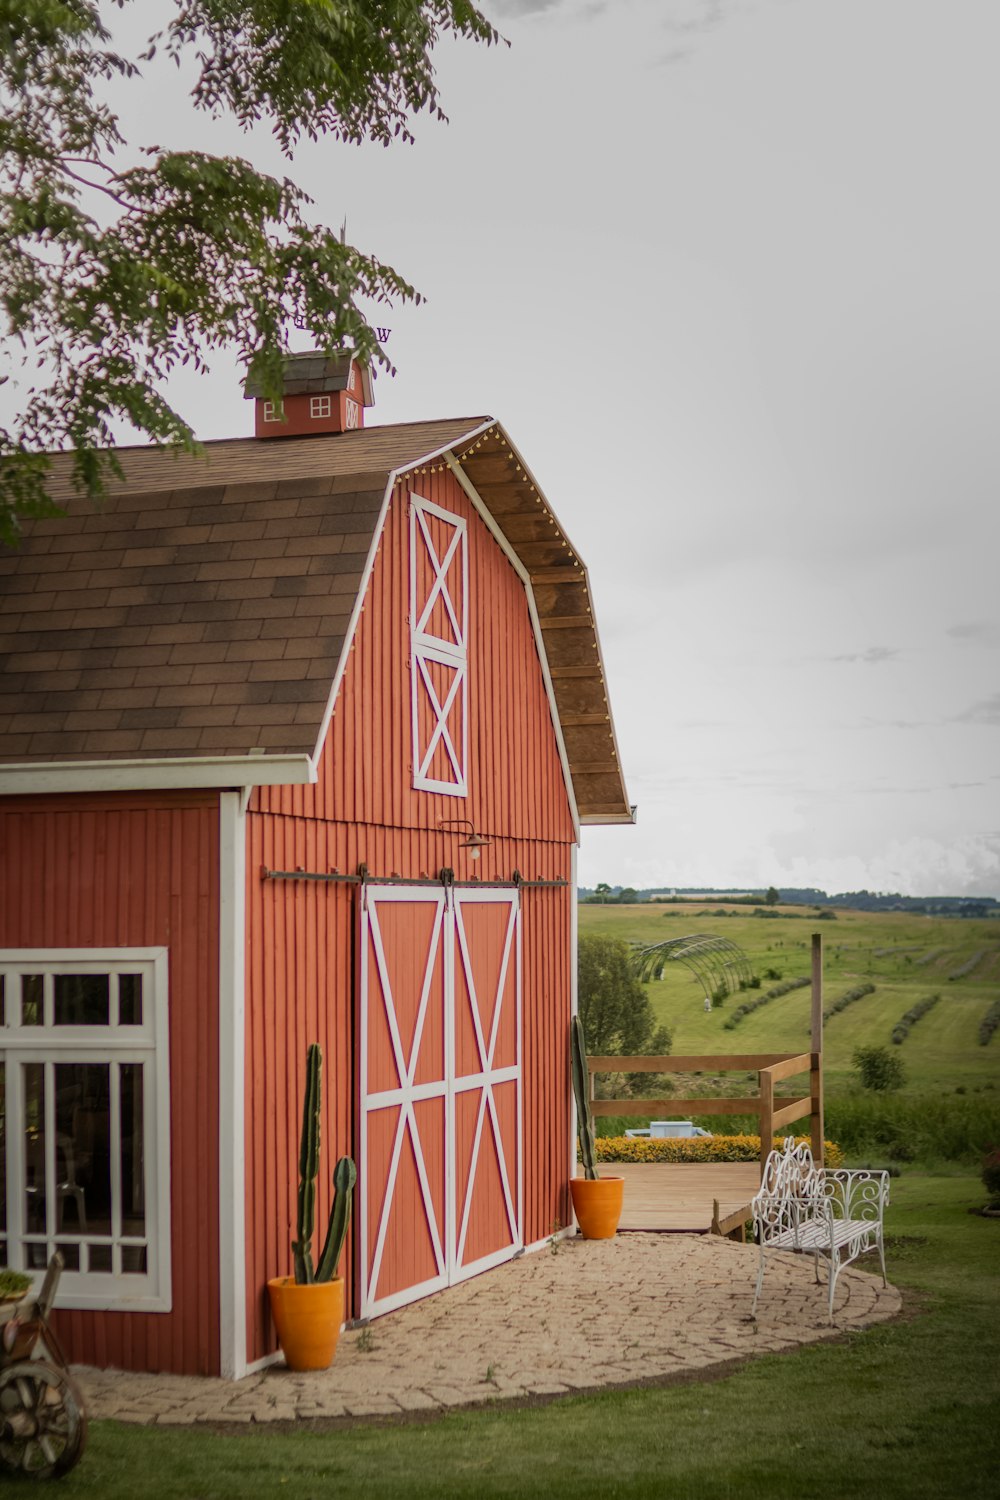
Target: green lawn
{"points": [[903, 1411]]}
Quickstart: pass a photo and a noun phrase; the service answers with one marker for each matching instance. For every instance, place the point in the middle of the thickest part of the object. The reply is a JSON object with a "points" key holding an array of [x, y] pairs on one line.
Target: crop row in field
{"points": [[941, 1053]]}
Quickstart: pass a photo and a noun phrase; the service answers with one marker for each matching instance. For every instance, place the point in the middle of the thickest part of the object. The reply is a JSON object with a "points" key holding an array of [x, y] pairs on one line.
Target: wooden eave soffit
{"points": [[561, 592]]}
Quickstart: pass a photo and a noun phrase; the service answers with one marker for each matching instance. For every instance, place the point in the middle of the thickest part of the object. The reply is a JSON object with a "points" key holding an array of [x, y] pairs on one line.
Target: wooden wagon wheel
{"points": [[43, 1427]]}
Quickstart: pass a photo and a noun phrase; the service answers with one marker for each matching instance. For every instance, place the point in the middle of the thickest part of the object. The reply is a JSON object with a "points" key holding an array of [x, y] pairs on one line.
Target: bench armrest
{"points": [[855, 1193]]}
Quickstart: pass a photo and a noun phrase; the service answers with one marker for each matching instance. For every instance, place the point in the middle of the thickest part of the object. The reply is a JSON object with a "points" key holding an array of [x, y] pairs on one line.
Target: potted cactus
{"points": [[308, 1307], [597, 1201]]}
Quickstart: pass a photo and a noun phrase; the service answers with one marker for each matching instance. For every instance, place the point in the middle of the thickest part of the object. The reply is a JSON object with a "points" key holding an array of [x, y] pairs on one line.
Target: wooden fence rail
{"points": [[774, 1111]]}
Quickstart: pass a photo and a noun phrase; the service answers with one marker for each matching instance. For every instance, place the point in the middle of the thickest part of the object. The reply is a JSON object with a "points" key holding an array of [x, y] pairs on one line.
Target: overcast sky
{"points": [[727, 273]]}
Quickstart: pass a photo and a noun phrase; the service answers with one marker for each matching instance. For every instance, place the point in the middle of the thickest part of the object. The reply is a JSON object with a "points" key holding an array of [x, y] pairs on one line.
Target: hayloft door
{"points": [[440, 1126]]}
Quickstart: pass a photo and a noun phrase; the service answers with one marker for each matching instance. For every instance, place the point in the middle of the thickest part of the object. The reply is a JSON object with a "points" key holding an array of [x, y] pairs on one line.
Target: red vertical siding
{"points": [[514, 774], [129, 871], [363, 810]]}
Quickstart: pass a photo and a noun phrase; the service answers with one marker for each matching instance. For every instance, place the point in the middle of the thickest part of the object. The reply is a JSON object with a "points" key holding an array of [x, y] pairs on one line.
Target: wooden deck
{"points": [[661, 1195]]}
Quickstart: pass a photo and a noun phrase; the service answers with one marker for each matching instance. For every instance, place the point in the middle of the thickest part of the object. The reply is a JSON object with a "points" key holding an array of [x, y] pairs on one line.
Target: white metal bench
{"points": [[833, 1215]]}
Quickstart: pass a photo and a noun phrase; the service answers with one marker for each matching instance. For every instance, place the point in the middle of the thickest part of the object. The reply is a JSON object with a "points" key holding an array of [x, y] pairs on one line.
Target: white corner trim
{"points": [[266, 1360], [232, 1043], [164, 774], [522, 573]]}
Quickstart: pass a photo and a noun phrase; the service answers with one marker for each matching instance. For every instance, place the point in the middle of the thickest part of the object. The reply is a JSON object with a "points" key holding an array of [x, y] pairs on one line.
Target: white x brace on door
{"points": [[440, 1069]]}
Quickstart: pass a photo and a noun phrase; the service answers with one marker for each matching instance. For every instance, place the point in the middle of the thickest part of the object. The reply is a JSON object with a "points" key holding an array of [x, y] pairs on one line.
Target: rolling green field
{"points": [[905, 956]]}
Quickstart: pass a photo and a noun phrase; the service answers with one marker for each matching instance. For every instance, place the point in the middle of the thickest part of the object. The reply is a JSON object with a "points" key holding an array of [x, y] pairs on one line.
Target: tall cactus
{"points": [[344, 1178], [581, 1088]]}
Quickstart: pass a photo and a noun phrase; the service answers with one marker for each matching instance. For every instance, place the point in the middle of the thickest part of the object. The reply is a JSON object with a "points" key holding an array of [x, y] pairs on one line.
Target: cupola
{"points": [[322, 393]]}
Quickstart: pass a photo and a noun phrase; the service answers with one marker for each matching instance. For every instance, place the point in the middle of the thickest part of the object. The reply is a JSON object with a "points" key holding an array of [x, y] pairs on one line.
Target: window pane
{"points": [[70, 1253], [100, 1257], [133, 1163], [83, 1148], [35, 1256], [34, 1148], [134, 1260], [82, 999], [32, 989], [130, 999]]}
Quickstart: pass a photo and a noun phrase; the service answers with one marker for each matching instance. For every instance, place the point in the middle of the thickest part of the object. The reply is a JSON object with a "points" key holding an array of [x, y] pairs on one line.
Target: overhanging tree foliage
{"points": [[111, 276]]}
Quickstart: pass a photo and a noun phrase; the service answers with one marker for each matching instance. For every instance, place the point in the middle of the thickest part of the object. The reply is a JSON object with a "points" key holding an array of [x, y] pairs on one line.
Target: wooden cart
{"points": [[43, 1424]]}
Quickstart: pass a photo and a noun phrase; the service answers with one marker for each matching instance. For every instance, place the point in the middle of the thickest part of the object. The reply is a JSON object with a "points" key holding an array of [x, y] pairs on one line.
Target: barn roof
{"points": [[202, 612]]}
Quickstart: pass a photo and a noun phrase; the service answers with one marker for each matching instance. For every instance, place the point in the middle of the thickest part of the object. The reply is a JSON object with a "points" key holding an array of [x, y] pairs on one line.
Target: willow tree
{"points": [[112, 274]]}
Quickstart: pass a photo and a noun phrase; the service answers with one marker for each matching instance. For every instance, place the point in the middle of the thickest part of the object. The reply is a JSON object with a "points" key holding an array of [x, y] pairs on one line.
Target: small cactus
{"points": [[581, 1088], [344, 1177]]}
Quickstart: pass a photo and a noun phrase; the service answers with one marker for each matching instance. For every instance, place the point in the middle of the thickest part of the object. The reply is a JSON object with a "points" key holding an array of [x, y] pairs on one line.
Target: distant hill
{"points": [[937, 906]]}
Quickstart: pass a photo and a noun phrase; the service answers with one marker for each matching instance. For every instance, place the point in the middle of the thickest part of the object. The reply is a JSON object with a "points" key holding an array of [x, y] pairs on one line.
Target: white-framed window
{"points": [[352, 415], [85, 1122], [319, 406], [274, 411], [439, 632]]}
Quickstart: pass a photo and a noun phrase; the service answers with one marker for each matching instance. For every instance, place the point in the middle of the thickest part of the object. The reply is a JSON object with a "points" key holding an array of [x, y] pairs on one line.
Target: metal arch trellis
{"points": [[716, 961]]}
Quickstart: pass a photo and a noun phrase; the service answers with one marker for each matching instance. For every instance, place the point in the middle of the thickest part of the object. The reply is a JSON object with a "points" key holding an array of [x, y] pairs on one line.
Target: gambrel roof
{"points": [[202, 612]]}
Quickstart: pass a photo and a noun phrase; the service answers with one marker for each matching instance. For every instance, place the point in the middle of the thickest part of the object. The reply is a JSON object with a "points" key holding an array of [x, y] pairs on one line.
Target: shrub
{"points": [[878, 1069], [929, 956], [716, 1148], [906, 1022], [615, 1010], [751, 1005], [915, 1127], [989, 1024], [991, 1175], [847, 998], [13, 1284]]}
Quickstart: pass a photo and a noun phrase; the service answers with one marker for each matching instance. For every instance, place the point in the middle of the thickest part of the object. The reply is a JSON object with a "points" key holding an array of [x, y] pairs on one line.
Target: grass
{"points": [[908, 1411], [939, 1054]]}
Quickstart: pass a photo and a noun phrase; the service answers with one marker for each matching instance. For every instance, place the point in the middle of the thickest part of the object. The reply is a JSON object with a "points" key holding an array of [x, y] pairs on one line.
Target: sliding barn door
{"points": [[440, 1127]]}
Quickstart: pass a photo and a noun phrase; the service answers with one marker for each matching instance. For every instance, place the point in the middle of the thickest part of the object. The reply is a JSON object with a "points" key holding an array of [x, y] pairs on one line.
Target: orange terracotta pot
{"points": [[597, 1205], [308, 1320]]}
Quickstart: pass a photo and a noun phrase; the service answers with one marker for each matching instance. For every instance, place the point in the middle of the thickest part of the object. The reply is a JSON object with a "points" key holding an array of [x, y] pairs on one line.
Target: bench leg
{"points": [[760, 1283], [881, 1255]]}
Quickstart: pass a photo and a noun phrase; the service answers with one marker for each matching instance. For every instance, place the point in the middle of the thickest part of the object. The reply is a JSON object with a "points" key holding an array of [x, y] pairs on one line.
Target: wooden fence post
{"points": [[766, 1116], [816, 1069]]}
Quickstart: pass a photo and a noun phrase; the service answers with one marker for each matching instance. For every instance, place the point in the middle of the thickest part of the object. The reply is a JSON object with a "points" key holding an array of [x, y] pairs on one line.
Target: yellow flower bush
{"points": [[698, 1148]]}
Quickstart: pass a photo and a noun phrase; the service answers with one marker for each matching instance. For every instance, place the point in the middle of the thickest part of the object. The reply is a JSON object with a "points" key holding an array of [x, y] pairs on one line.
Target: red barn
{"points": [[296, 739]]}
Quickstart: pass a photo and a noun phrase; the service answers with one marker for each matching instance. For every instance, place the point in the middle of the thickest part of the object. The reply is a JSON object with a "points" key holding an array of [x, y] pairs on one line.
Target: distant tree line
{"points": [[863, 900]]}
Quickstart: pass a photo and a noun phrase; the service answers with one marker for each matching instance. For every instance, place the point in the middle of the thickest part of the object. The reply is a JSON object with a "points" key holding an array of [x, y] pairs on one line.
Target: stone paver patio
{"points": [[596, 1313]]}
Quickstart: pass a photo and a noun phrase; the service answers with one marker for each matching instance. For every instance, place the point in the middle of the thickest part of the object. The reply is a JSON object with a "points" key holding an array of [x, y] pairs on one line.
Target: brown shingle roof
{"points": [[203, 609]]}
